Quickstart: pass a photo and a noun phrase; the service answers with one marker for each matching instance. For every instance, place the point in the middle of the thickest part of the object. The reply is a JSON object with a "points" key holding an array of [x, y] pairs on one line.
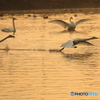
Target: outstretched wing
{"points": [[68, 44], [81, 21], [60, 22], [86, 43]]}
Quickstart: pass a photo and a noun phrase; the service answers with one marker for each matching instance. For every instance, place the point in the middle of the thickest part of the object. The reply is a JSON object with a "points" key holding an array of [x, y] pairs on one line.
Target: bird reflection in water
{"points": [[78, 56], [71, 56]]}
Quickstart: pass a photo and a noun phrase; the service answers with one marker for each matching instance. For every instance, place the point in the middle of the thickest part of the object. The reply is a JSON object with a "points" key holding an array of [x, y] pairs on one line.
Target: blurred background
{"points": [[46, 4]]}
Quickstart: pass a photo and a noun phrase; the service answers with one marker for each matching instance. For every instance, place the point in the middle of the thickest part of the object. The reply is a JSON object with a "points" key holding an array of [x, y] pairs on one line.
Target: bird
{"points": [[34, 16], [29, 15], [9, 36], [72, 43], [71, 26], [9, 29], [45, 17]]}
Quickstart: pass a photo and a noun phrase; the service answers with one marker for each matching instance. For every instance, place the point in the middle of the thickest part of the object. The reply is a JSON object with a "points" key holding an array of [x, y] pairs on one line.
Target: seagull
{"points": [[9, 36], [71, 26], [9, 29], [72, 43]]}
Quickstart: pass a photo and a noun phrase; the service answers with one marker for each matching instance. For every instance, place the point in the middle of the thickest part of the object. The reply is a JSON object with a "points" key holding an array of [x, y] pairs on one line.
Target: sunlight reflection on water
{"points": [[34, 68]]}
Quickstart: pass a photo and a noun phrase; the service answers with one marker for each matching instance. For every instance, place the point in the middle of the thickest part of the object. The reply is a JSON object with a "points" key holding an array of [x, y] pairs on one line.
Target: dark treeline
{"points": [[46, 4]]}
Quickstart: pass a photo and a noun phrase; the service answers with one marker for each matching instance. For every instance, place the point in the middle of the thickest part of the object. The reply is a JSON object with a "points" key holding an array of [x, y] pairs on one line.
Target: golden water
{"points": [[29, 71]]}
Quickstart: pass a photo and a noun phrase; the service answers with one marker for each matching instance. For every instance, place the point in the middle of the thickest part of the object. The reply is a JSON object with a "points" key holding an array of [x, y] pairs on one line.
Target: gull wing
{"points": [[81, 21], [60, 22], [68, 44]]}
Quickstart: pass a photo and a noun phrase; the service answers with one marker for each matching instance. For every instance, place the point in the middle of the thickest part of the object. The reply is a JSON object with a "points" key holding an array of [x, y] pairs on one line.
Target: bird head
{"points": [[14, 18], [11, 36], [71, 18], [94, 37]]}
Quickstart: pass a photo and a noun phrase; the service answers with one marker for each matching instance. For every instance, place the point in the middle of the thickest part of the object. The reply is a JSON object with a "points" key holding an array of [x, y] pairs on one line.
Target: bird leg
{"points": [[61, 49]]}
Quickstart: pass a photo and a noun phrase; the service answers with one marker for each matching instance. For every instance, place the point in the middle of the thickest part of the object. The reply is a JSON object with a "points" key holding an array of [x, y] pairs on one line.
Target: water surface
{"points": [[30, 71]]}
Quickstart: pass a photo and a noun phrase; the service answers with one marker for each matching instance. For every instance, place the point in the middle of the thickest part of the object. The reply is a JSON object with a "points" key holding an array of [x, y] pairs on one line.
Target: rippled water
{"points": [[32, 69]]}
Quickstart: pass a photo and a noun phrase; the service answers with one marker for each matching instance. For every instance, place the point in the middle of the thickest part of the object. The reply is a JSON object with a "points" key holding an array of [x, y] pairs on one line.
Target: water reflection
{"points": [[34, 69], [70, 32], [77, 56]]}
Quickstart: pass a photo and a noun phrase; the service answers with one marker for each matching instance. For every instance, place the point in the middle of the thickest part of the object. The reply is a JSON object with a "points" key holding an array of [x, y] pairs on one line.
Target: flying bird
{"points": [[9, 29], [9, 36], [71, 26], [72, 43]]}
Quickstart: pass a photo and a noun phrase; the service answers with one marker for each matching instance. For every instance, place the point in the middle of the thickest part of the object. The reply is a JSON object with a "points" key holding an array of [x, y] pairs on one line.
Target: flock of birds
{"points": [[69, 26]]}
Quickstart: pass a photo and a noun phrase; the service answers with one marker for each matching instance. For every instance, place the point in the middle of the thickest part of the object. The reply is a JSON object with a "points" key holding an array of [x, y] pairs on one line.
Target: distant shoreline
{"points": [[56, 11]]}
